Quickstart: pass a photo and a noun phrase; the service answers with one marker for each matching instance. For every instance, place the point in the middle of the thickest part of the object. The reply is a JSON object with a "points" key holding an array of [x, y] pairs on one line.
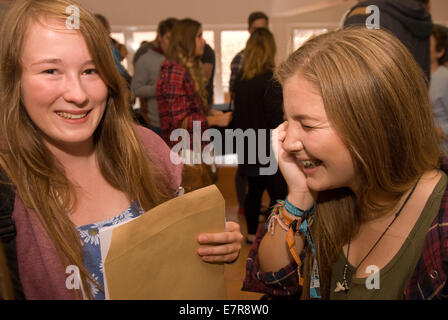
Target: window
{"points": [[209, 37], [142, 36], [232, 42], [227, 42], [119, 36]]}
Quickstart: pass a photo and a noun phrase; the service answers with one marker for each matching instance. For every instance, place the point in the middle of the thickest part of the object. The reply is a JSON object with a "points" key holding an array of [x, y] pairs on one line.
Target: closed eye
{"points": [[307, 127]]}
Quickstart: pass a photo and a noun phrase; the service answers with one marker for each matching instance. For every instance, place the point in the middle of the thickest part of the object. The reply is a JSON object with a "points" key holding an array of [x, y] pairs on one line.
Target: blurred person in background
{"points": [[181, 92], [438, 90], [146, 74], [257, 19], [208, 64], [409, 20], [258, 105]]}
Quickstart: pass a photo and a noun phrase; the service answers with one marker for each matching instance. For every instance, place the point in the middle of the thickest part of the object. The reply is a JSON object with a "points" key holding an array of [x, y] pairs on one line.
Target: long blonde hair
{"points": [[364, 77], [259, 54], [36, 174], [182, 49]]}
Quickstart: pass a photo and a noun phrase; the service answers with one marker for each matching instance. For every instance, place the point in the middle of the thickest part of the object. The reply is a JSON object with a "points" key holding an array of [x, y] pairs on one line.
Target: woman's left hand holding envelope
{"points": [[221, 246]]}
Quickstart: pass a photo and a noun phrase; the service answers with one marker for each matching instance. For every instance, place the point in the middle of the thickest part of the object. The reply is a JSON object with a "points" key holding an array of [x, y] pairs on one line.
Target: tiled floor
{"points": [[234, 273]]}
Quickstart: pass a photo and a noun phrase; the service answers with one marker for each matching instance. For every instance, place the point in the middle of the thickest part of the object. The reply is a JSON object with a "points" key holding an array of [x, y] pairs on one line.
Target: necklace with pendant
{"points": [[347, 274]]}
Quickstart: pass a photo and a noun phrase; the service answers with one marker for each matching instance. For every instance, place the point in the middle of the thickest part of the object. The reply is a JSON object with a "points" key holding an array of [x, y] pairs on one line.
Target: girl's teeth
{"points": [[71, 116], [311, 163]]}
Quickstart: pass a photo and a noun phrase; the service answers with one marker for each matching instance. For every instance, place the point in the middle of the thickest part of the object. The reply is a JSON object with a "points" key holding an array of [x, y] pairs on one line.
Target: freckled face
{"points": [[310, 137], [61, 89]]}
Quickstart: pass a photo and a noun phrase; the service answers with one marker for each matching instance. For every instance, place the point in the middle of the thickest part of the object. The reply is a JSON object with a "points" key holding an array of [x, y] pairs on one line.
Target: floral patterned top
{"points": [[91, 248]]}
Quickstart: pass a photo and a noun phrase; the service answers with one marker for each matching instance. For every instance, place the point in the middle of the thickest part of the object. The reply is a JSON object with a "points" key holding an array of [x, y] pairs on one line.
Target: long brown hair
{"points": [[259, 54], [364, 78], [37, 175], [182, 49]]}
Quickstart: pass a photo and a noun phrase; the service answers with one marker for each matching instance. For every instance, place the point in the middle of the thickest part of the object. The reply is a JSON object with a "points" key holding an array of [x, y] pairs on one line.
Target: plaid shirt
{"points": [[177, 99], [429, 280]]}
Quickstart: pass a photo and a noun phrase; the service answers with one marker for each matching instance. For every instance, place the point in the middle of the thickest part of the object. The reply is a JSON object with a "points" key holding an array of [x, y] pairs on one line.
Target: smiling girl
{"points": [[70, 152], [360, 154]]}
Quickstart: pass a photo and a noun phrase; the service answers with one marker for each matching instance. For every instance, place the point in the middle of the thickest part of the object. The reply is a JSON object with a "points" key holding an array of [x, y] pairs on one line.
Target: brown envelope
{"points": [[155, 255]]}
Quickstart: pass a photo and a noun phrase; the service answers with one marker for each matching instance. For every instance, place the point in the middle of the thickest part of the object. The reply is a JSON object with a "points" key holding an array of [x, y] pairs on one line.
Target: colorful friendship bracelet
{"points": [[298, 212], [291, 226]]}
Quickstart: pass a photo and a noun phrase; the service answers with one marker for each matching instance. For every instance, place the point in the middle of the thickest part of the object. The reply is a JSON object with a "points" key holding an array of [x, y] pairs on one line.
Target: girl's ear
{"points": [[440, 53]]}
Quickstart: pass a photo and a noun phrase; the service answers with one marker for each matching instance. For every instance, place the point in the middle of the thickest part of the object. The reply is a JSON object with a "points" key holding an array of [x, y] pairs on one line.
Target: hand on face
{"points": [[287, 161], [221, 247], [315, 158]]}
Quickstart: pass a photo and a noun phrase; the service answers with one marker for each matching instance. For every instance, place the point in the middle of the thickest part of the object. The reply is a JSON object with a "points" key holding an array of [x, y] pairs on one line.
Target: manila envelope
{"points": [[155, 255]]}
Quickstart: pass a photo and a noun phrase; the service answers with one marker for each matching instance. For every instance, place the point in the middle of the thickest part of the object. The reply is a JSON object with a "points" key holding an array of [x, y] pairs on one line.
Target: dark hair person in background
{"points": [[409, 20], [208, 64], [147, 71], [162, 39]]}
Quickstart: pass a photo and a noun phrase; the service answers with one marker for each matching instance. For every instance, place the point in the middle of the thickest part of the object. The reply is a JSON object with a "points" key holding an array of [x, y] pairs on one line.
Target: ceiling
{"points": [[229, 12], [211, 12]]}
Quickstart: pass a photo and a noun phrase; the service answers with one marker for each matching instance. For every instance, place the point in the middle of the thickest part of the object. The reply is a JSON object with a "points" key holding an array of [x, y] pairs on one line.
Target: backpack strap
{"points": [[8, 233]]}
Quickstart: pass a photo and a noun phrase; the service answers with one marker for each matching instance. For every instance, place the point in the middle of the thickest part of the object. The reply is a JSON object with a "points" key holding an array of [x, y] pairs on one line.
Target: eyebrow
{"points": [[303, 117], [44, 61]]}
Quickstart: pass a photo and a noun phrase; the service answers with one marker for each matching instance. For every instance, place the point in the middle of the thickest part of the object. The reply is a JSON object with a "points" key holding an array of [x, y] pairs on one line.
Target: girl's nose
{"points": [[74, 91], [292, 142]]}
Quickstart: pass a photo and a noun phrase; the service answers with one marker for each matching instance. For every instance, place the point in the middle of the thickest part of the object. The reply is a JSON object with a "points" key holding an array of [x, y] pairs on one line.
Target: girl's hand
{"points": [[287, 162], [222, 246], [224, 119], [214, 112], [299, 193]]}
